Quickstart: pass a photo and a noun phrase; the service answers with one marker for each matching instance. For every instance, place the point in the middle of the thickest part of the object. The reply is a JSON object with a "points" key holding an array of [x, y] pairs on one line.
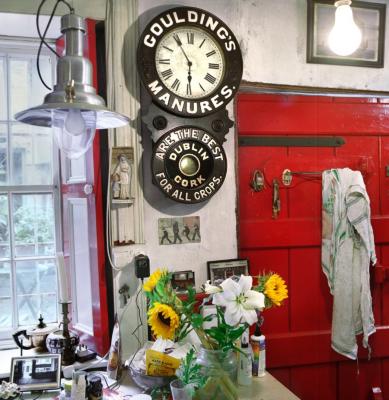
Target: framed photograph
{"points": [[41, 372], [181, 280], [369, 17], [223, 269], [179, 230]]}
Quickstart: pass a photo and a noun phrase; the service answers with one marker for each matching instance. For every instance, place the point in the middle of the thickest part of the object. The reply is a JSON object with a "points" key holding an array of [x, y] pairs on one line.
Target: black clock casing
{"points": [[182, 74]]}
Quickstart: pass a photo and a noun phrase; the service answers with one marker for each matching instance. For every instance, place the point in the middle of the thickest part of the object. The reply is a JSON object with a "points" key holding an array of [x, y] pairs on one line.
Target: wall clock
{"points": [[189, 61], [189, 164]]}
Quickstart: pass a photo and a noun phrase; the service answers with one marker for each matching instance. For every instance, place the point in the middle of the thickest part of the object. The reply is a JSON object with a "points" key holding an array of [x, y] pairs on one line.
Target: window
{"points": [[29, 194]]}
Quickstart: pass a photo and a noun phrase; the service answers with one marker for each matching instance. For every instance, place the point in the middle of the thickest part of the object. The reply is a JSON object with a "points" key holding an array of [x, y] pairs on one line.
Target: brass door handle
{"points": [[276, 199]]}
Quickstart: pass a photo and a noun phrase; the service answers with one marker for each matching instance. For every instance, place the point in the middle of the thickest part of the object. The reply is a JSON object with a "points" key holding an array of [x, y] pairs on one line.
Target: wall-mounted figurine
{"points": [[121, 173], [122, 190], [179, 230]]}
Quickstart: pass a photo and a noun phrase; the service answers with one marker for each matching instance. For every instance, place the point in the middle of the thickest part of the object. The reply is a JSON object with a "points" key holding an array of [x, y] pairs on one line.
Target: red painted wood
{"points": [[311, 114], [376, 393], [100, 339], [299, 333], [313, 347], [99, 287], [315, 382], [385, 383], [360, 380]]}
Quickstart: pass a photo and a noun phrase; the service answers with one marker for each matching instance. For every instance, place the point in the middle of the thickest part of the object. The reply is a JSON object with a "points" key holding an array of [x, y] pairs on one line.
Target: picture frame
{"points": [[181, 280], [37, 372], [370, 18], [219, 270]]}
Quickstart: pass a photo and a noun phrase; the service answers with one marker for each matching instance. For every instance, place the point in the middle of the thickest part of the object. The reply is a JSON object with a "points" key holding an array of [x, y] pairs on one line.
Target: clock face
{"points": [[189, 165], [190, 62]]}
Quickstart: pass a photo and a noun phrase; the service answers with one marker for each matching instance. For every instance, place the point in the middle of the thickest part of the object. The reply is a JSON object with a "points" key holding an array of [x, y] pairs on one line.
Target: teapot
{"points": [[36, 336]]}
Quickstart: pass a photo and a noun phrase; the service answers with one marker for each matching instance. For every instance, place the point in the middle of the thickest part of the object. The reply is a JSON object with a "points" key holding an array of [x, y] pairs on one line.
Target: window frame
{"points": [[27, 47]]}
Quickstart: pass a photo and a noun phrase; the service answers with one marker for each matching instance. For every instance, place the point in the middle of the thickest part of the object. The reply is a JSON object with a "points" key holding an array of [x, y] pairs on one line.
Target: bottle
{"points": [[245, 362], [258, 344]]}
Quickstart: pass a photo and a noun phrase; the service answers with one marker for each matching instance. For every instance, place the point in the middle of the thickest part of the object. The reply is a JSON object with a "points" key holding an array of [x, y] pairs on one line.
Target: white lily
{"points": [[239, 300], [211, 289]]}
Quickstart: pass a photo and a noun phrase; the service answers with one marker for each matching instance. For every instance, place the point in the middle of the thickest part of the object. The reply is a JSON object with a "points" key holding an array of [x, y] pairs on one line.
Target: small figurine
{"points": [[121, 178]]}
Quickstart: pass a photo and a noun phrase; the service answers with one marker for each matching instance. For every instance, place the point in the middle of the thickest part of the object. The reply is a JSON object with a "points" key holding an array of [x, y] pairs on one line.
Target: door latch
{"points": [[276, 199]]}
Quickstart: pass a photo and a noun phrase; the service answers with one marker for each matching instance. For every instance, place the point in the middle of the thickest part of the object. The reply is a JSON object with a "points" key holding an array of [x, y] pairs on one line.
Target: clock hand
{"points": [[189, 88], [179, 44]]}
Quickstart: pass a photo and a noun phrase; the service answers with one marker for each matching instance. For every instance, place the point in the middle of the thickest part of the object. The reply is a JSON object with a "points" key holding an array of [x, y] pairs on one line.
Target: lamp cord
{"points": [[43, 37]]}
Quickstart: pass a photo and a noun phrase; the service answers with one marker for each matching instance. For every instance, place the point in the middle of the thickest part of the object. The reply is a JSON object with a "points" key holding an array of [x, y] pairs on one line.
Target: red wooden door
{"points": [[298, 334]]}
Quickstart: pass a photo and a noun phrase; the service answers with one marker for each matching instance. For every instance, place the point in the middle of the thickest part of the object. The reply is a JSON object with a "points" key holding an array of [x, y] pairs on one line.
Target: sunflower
{"points": [[163, 320], [275, 289], [153, 280]]}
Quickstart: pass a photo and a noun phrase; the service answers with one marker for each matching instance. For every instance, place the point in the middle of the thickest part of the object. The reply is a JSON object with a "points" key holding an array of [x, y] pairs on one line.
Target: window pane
{"points": [[4, 227], [26, 89], [3, 154], [34, 232], [32, 156], [36, 289], [3, 102], [5, 296]]}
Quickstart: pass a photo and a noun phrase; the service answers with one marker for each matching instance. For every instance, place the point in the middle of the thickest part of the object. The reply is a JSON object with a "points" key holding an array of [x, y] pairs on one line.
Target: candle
{"points": [[62, 279]]}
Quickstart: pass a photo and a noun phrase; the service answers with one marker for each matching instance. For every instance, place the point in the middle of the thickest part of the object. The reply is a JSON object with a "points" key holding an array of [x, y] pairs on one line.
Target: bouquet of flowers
{"points": [[238, 304]]}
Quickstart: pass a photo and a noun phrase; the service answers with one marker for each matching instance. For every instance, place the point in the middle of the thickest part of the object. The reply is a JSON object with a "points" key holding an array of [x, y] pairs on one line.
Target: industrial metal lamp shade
{"points": [[73, 109]]}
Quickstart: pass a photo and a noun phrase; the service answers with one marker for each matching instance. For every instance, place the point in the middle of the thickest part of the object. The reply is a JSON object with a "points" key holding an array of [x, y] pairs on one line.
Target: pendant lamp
{"points": [[73, 109]]}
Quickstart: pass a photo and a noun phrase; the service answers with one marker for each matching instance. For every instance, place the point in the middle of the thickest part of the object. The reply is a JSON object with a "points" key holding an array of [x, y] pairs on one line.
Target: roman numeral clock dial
{"points": [[190, 56], [189, 61]]}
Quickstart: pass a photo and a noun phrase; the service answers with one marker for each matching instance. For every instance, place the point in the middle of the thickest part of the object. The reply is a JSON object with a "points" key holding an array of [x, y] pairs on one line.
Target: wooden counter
{"points": [[266, 388]]}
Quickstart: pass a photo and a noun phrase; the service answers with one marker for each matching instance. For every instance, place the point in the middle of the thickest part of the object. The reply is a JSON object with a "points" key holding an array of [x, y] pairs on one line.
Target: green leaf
{"points": [[197, 320], [209, 317], [189, 371]]}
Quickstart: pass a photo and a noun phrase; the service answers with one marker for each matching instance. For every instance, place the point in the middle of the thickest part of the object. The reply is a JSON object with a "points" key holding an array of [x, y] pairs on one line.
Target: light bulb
{"points": [[74, 123], [74, 131], [345, 37]]}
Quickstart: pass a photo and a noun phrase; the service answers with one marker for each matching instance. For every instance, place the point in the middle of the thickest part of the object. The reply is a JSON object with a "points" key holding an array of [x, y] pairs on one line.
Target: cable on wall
{"points": [[43, 37]]}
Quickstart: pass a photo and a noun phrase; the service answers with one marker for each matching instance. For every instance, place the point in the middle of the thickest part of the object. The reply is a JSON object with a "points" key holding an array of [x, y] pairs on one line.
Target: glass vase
{"points": [[220, 369]]}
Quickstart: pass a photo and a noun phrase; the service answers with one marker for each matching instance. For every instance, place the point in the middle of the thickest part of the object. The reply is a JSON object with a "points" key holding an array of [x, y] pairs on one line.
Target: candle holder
{"points": [[63, 341]]}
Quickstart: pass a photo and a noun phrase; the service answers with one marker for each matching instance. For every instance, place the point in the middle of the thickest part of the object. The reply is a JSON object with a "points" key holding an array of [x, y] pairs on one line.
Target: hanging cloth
{"points": [[347, 250]]}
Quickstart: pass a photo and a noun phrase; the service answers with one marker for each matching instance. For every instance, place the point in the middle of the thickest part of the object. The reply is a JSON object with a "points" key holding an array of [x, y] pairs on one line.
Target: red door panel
{"points": [[299, 333]]}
